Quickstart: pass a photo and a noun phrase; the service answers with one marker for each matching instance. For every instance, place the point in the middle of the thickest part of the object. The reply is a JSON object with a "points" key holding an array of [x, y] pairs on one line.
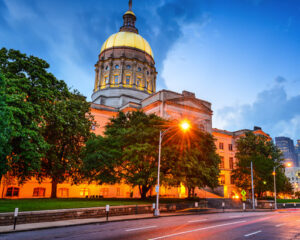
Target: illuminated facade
{"points": [[125, 80]]}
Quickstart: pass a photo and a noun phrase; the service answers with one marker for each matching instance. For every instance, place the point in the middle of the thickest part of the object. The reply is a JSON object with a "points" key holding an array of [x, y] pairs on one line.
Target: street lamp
{"points": [[252, 185], [184, 126]]}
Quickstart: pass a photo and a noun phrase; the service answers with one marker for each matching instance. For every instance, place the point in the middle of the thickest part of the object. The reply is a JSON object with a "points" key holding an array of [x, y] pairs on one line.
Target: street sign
{"points": [[16, 212], [243, 198], [157, 189], [107, 208], [243, 192]]}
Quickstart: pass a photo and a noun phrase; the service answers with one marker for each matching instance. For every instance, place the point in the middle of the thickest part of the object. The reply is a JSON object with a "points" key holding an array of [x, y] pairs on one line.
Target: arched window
{"points": [[117, 66], [107, 67], [128, 66], [139, 69], [39, 192], [12, 192]]}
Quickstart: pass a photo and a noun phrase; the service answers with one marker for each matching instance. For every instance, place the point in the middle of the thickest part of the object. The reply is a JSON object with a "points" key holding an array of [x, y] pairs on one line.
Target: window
{"points": [[39, 192], [84, 192], [231, 162], [147, 72], [230, 147], [63, 192], [139, 69], [222, 179], [104, 191], [138, 82], [221, 145], [222, 164], [118, 191], [106, 80], [231, 179], [127, 80], [117, 67], [128, 66], [116, 79], [12, 192], [107, 67]]}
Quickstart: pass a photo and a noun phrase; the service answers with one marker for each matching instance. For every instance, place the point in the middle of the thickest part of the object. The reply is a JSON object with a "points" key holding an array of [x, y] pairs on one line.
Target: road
{"points": [[283, 224]]}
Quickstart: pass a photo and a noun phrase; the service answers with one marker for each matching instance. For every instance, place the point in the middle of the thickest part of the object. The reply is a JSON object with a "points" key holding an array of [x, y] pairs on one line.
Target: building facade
{"points": [[286, 145], [293, 173]]}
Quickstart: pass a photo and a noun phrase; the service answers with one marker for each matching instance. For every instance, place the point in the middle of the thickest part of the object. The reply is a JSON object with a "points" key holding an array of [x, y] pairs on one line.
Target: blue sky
{"points": [[241, 55]]}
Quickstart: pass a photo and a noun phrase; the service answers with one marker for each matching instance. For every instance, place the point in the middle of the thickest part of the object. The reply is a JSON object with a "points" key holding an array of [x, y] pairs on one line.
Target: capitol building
{"points": [[125, 80]]}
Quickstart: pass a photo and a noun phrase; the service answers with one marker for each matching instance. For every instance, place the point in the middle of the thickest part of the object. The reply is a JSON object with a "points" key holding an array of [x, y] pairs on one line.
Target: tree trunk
{"points": [[189, 192], [143, 191], [54, 188]]}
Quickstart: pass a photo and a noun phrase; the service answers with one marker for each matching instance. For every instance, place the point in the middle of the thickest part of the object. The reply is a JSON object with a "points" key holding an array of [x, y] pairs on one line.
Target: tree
{"points": [[297, 194], [29, 93], [68, 127], [194, 160], [128, 151], [5, 128], [265, 156]]}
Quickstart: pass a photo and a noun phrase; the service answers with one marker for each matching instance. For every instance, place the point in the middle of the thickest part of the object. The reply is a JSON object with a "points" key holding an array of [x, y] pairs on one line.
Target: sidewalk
{"points": [[74, 222]]}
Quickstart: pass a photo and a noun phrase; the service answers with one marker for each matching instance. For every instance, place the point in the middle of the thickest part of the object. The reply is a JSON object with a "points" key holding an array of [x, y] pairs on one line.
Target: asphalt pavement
{"points": [[284, 224]]}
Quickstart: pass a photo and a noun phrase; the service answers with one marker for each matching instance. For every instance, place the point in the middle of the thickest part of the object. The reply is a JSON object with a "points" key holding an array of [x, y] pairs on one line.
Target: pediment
{"points": [[190, 102]]}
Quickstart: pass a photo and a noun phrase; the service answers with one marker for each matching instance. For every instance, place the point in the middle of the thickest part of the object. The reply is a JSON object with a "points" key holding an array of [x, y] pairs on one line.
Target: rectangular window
{"points": [[116, 79], [222, 164], [106, 80], [230, 147], [127, 80], [221, 145], [222, 179], [63, 192], [138, 82], [84, 192], [231, 162], [39, 192], [12, 192]]}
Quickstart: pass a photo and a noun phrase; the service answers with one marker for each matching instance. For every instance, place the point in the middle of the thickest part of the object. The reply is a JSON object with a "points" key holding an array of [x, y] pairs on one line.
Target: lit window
{"points": [[230, 147], [63, 192], [128, 66], [116, 79], [222, 164], [118, 191], [106, 80], [221, 145], [117, 67], [84, 192], [39, 192], [127, 80], [222, 179], [231, 162], [139, 69], [12, 192]]}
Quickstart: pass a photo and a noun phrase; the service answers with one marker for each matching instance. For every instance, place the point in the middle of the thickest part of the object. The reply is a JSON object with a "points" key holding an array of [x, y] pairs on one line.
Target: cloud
{"points": [[280, 79], [272, 110]]}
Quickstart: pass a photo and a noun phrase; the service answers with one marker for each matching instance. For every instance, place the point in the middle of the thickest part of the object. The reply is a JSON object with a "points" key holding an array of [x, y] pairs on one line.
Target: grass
{"points": [[9, 205], [288, 200]]}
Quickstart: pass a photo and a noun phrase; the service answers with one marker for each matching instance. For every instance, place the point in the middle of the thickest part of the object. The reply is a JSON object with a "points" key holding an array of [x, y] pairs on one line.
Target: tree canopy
{"points": [[265, 156], [128, 152], [29, 91]]}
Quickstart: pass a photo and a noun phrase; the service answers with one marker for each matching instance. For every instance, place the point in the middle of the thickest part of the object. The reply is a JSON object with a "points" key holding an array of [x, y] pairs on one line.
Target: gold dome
{"points": [[127, 39]]}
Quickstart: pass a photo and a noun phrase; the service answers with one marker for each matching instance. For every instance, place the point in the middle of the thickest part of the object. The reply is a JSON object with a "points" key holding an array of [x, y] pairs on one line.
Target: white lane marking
{"points": [[264, 218], [278, 225], [198, 229], [247, 235], [141, 228], [199, 220], [235, 216]]}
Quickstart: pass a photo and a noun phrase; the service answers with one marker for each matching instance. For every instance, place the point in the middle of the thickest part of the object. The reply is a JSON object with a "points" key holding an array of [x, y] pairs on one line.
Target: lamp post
{"points": [[252, 185], [184, 125]]}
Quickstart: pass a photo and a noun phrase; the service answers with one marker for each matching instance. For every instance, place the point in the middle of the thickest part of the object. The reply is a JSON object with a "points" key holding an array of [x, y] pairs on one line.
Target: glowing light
{"points": [[289, 164], [185, 125]]}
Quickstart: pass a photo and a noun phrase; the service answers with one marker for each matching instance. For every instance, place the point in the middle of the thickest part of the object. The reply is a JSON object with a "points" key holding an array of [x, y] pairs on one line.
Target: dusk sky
{"points": [[243, 56]]}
